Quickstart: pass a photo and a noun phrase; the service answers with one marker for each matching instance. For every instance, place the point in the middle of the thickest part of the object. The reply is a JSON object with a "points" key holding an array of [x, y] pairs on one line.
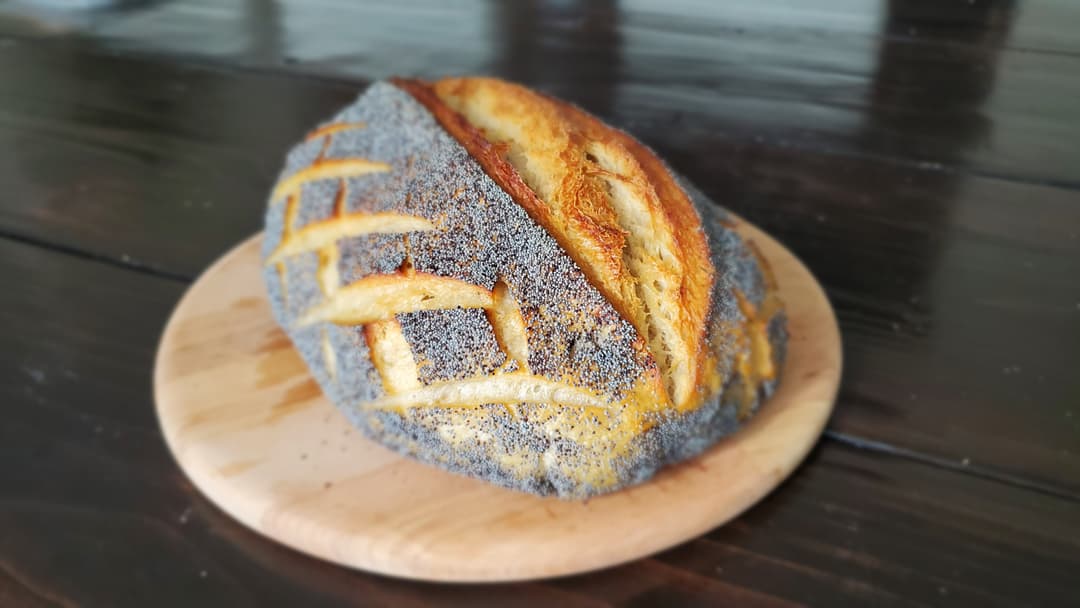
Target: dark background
{"points": [[922, 157]]}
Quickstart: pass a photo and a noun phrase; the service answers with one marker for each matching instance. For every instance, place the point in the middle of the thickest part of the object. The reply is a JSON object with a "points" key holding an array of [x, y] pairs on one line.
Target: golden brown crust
{"points": [[691, 245], [608, 201], [491, 156], [589, 216], [485, 152]]}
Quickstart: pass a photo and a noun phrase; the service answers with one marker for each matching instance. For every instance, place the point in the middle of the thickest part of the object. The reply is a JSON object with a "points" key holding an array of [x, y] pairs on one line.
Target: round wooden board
{"points": [[252, 430]]}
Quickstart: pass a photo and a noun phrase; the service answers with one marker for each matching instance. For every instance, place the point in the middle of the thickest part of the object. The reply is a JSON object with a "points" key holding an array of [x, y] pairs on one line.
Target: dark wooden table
{"points": [[922, 157]]}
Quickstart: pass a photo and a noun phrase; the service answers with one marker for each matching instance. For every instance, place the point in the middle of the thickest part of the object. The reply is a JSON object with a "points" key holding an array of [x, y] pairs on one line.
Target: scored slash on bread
{"points": [[379, 296], [495, 282], [323, 234], [591, 187]]}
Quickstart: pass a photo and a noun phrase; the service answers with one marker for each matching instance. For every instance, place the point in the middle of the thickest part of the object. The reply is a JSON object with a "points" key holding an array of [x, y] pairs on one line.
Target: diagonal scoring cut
{"points": [[606, 199], [332, 128], [319, 234], [379, 296], [331, 168], [509, 326], [649, 258], [329, 358], [505, 389], [328, 275], [391, 355], [373, 302]]}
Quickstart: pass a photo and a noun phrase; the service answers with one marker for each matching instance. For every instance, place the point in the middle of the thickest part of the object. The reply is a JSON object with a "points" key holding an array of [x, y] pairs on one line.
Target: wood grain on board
{"points": [[251, 428]]}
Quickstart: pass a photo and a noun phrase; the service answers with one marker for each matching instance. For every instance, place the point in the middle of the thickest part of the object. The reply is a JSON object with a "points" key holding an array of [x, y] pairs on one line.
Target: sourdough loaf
{"points": [[494, 282]]}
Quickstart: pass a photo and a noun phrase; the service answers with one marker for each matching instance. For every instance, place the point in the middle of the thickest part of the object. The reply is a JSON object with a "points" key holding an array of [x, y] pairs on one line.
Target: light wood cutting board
{"points": [[252, 430]]}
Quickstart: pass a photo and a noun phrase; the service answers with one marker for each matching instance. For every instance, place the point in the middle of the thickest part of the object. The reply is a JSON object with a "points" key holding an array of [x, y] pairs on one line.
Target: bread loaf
{"points": [[494, 282]]}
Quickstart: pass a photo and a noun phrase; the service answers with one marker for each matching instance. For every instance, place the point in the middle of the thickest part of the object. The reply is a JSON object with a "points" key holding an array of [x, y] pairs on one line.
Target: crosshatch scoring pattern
{"points": [[374, 300]]}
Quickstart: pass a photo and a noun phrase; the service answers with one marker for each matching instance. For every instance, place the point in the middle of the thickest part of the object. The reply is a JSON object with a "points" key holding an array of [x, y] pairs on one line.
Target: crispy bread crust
{"points": [[577, 169], [496, 354]]}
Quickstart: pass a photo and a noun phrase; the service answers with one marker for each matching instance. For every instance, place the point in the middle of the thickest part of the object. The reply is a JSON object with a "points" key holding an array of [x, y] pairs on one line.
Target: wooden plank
{"points": [[974, 86], [956, 293], [957, 298], [94, 512], [136, 150], [252, 31], [873, 515]]}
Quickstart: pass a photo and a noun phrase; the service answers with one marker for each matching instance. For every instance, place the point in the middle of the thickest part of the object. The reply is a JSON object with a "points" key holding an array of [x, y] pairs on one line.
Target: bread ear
{"points": [[607, 200]]}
